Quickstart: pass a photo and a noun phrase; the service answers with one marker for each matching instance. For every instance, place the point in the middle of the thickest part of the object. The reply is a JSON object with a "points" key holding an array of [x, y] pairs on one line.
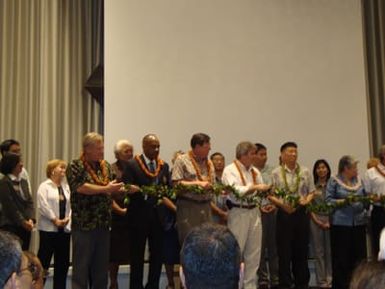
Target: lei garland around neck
{"points": [[159, 166], [197, 169], [253, 173], [103, 166], [287, 188]]}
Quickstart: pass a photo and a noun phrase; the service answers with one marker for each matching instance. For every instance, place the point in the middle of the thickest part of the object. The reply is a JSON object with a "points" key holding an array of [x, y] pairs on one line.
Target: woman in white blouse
{"points": [[53, 198]]}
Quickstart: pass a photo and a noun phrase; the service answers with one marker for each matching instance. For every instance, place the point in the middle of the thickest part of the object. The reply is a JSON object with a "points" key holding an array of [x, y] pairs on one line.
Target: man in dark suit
{"points": [[142, 212]]}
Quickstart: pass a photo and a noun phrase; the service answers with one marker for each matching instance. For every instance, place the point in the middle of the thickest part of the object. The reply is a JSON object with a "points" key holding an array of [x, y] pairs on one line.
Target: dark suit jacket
{"points": [[14, 209], [140, 208]]}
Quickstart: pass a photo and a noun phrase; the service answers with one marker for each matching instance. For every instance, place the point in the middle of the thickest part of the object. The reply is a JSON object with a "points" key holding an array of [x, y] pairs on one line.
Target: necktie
{"points": [[151, 166]]}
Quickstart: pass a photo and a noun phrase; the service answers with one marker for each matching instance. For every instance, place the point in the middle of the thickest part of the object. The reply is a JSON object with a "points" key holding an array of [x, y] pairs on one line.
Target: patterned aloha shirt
{"points": [[88, 211]]}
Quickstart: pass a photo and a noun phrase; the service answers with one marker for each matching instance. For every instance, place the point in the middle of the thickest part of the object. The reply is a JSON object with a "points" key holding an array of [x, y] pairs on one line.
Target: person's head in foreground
{"points": [[211, 259], [369, 275], [10, 260]]}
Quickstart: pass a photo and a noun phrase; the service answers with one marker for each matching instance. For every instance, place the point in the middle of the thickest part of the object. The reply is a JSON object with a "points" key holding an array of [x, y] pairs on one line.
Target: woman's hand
{"points": [[27, 225]]}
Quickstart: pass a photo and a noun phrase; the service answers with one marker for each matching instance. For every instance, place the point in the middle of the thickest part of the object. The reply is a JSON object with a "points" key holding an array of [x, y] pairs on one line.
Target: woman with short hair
{"points": [[348, 221], [53, 201]]}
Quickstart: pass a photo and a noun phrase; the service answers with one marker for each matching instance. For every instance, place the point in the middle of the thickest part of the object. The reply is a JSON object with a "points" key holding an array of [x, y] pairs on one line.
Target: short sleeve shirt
{"points": [[306, 184], [184, 170], [88, 211]]}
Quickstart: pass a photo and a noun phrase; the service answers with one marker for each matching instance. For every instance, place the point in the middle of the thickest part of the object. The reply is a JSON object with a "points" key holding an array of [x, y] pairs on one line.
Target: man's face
{"points": [[249, 158], [260, 158], [289, 155], [202, 151], [218, 162], [95, 152], [15, 148], [151, 147]]}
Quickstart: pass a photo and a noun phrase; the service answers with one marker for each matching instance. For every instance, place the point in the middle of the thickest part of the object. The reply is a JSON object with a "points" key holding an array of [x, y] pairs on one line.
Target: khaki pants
{"points": [[190, 214], [247, 227]]}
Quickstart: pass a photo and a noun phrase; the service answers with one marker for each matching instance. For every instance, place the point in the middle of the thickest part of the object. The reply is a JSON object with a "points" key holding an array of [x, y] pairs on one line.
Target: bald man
{"points": [[142, 212]]}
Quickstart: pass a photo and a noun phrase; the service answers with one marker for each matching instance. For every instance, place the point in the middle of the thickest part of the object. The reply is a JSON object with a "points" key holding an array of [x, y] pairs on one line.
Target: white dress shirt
{"points": [[232, 177], [48, 205], [374, 182]]}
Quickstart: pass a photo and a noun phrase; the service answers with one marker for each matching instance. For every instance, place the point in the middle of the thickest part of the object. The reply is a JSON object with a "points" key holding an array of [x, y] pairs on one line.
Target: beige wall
{"points": [[267, 71]]}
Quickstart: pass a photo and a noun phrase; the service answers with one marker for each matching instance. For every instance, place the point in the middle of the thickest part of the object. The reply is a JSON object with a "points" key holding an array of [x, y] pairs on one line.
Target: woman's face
{"points": [[126, 153], [18, 168], [352, 171], [59, 171], [322, 171]]}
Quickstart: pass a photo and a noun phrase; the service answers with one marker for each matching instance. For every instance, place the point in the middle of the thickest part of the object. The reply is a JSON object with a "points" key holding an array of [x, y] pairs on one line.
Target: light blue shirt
{"points": [[351, 215]]}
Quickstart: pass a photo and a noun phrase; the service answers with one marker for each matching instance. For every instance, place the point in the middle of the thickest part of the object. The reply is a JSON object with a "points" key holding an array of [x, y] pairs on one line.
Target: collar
{"points": [[14, 178], [148, 161], [289, 170], [242, 166]]}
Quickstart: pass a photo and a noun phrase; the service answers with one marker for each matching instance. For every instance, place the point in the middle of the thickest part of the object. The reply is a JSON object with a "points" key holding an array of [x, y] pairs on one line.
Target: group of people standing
{"points": [[110, 219]]}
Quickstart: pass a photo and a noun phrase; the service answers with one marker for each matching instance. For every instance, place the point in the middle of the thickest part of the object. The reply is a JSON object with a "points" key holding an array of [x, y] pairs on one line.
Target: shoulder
{"points": [[276, 170], [229, 168], [304, 170], [165, 165], [46, 184], [75, 165], [132, 163]]}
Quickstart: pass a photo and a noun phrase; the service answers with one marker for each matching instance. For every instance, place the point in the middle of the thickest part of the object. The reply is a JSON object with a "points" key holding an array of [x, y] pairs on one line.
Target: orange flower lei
{"points": [[253, 173], [380, 171], [159, 166], [103, 165], [197, 169]]}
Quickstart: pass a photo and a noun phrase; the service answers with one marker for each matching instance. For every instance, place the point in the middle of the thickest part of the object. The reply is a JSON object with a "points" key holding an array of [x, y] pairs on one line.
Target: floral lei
{"points": [[159, 166], [103, 166], [297, 180], [253, 173], [196, 167], [349, 188]]}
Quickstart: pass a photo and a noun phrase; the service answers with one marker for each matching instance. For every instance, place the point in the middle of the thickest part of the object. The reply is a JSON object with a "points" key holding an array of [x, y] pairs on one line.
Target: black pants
{"points": [[378, 223], [57, 244], [348, 245], [293, 245], [150, 229], [19, 231]]}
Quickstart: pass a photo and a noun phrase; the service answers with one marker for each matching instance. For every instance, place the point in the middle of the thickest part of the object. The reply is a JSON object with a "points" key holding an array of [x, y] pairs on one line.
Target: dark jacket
{"points": [[14, 209]]}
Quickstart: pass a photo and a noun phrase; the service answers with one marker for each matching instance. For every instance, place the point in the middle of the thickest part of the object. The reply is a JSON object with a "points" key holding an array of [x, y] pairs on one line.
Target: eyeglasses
{"points": [[33, 269]]}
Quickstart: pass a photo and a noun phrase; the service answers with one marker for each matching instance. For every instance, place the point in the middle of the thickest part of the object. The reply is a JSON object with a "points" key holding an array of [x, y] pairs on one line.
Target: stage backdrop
{"points": [[265, 71]]}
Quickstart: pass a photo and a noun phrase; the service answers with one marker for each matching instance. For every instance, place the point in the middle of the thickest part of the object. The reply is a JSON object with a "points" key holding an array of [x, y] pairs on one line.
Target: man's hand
{"points": [[262, 187], [205, 185], [114, 186]]}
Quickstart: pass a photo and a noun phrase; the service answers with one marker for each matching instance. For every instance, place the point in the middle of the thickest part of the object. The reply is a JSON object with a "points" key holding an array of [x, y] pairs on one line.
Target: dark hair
{"points": [[315, 167], [211, 258], [260, 146], [199, 139], [216, 154], [289, 144], [10, 256], [6, 145], [9, 162], [369, 275]]}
